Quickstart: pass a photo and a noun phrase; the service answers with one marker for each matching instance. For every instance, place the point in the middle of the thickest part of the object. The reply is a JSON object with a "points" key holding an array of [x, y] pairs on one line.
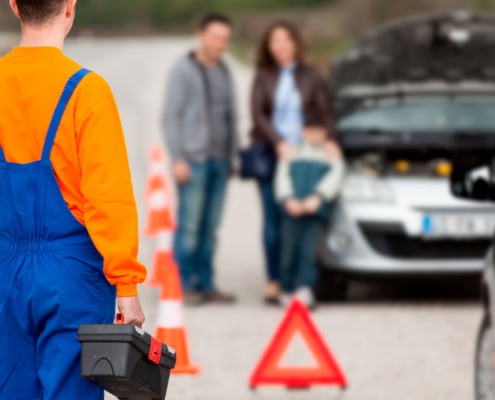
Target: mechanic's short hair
{"points": [[37, 12], [214, 18]]}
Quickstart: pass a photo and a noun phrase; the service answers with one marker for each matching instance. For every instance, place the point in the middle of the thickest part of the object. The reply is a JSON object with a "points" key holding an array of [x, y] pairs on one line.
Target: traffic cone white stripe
{"points": [[159, 200], [157, 169], [170, 314], [164, 241]]}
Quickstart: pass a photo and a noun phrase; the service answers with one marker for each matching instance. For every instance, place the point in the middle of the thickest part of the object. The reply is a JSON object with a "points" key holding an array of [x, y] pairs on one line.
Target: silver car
{"points": [[408, 102]]}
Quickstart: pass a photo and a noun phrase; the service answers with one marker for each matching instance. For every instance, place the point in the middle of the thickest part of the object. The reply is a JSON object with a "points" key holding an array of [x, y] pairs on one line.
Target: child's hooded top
{"points": [[309, 173]]}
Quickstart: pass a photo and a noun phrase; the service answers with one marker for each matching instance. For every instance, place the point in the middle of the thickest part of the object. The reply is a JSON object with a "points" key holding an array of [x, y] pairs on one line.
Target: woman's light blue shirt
{"points": [[288, 119]]}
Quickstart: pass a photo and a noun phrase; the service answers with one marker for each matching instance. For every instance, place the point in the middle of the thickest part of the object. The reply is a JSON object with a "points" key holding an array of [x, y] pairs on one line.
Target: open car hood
{"points": [[446, 55], [438, 53]]}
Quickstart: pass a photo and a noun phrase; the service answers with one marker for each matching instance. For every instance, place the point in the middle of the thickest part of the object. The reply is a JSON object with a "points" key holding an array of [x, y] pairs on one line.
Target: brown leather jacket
{"points": [[314, 94]]}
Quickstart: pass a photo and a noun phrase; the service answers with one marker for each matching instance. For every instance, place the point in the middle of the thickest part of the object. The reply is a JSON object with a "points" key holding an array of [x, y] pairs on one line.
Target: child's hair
{"points": [[314, 120]]}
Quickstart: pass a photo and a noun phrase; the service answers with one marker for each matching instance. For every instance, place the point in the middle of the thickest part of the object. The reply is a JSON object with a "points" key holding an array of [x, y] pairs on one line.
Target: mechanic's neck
{"points": [[49, 35], [204, 59]]}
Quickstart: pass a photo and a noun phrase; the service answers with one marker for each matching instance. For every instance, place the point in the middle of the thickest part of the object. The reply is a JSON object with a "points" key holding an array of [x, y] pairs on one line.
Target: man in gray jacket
{"points": [[201, 131]]}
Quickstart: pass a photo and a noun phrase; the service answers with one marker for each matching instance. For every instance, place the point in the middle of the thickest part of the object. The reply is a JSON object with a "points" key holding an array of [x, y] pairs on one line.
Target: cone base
{"points": [[186, 370], [176, 338]]}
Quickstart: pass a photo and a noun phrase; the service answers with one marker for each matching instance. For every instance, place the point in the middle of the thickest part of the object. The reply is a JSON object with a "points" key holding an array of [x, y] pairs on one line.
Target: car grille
{"points": [[391, 240]]}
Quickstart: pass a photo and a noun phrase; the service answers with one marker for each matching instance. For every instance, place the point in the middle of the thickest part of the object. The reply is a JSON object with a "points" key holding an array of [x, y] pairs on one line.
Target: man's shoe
{"points": [[192, 298], [220, 297]]}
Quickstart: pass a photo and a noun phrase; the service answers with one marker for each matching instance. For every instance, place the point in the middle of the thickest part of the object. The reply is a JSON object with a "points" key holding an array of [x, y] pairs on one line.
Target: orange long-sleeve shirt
{"points": [[89, 155]]}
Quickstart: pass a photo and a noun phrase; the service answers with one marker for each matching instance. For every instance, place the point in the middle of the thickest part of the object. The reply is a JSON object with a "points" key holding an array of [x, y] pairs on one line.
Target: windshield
{"points": [[426, 114]]}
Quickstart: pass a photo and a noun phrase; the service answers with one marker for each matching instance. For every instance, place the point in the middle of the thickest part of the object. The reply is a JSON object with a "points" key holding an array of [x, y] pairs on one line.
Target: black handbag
{"points": [[258, 162]]}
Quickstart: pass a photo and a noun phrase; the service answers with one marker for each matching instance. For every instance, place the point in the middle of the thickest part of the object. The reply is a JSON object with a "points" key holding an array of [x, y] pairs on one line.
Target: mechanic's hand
{"points": [[294, 208], [312, 204], [285, 151], [130, 308], [181, 171], [332, 150]]}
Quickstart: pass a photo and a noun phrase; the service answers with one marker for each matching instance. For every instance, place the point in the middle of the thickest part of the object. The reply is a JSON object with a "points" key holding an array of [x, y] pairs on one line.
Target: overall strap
{"points": [[69, 90], [2, 155]]}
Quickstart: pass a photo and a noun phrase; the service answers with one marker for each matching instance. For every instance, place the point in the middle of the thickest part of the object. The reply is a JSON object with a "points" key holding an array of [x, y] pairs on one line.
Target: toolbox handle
{"points": [[119, 319], [155, 352]]}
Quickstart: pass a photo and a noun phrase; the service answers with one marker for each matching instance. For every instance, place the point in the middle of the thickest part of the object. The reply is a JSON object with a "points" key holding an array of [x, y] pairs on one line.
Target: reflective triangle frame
{"points": [[270, 372]]}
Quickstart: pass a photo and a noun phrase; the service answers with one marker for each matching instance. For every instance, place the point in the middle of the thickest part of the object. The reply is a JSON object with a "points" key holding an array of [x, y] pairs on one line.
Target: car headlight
{"points": [[365, 189]]}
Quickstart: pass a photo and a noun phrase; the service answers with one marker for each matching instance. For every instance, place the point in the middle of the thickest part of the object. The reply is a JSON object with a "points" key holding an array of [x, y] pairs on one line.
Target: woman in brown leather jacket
{"points": [[286, 90]]}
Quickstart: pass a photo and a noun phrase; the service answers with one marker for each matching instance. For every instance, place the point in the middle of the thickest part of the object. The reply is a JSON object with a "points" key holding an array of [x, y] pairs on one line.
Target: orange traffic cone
{"points": [[170, 322], [161, 224], [159, 196]]}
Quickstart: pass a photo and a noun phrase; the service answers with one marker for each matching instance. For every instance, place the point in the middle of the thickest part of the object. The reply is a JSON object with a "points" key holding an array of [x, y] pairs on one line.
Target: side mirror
{"points": [[471, 176]]}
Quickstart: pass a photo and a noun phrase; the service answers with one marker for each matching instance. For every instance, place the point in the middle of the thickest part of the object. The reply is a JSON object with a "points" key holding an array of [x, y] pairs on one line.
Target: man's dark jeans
{"points": [[300, 238], [201, 203]]}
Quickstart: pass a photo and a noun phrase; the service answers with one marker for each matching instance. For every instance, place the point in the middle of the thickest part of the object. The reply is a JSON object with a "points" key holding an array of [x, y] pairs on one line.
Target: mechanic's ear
{"points": [[15, 9], [70, 9]]}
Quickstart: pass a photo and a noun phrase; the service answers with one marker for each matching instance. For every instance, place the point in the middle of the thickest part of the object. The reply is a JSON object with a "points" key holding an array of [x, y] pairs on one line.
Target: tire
{"points": [[331, 286], [485, 361]]}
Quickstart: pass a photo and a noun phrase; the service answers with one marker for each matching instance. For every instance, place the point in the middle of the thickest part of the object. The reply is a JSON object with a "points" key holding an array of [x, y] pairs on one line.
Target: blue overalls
{"points": [[51, 280]]}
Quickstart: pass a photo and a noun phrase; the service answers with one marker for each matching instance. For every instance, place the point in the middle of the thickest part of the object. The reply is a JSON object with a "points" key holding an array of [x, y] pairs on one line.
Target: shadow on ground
{"points": [[415, 291]]}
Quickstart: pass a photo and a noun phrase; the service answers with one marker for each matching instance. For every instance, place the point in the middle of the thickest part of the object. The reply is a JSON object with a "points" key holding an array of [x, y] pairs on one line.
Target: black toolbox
{"points": [[125, 361]]}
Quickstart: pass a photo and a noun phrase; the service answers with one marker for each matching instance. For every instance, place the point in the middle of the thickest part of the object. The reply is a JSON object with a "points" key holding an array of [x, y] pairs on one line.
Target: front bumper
{"points": [[385, 240]]}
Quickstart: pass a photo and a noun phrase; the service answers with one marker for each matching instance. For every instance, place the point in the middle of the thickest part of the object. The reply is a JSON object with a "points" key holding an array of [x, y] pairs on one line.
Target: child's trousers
{"points": [[300, 239]]}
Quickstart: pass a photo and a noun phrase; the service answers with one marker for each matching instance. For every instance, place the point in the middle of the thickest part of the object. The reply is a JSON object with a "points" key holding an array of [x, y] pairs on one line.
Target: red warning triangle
{"points": [[269, 371]]}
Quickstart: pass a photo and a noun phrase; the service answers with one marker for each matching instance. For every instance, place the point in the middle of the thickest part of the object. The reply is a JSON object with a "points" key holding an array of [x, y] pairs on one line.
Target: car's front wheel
{"points": [[331, 285], [485, 361]]}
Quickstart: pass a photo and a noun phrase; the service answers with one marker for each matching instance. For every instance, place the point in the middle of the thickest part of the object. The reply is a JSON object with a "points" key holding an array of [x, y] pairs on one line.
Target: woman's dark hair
{"points": [[214, 18], [37, 12], [265, 57]]}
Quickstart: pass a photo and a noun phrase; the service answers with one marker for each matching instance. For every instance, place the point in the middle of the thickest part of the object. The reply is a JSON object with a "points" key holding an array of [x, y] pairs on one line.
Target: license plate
{"points": [[459, 225]]}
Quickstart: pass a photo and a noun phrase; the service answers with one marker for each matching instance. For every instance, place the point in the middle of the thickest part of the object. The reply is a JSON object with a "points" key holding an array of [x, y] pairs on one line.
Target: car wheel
{"points": [[331, 286], [485, 361]]}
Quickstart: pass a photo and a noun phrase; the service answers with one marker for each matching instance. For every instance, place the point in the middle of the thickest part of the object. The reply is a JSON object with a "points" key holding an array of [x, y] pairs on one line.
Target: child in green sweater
{"points": [[306, 187]]}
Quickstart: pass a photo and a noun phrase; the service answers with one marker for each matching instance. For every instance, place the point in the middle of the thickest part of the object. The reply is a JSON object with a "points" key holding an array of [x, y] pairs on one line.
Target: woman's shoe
{"points": [[272, 293], [271, 300]]}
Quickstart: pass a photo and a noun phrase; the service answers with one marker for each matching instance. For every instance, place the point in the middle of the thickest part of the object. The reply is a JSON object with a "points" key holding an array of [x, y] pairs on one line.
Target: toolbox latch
{"points": [[155, 354]]}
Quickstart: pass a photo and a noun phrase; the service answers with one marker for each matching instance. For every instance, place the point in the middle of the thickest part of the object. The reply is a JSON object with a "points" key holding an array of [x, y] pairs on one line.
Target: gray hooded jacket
{"points": [[186, 115]]}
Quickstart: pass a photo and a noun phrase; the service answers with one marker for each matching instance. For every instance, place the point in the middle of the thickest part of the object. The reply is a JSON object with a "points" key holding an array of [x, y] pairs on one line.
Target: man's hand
{"points": [[285, 151], [312, 204], [294, 208], [130, 308], [181, 171]]}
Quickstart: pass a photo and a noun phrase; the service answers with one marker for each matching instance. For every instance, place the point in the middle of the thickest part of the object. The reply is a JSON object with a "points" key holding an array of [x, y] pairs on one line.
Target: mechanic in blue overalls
{"points": [[68, 220]]}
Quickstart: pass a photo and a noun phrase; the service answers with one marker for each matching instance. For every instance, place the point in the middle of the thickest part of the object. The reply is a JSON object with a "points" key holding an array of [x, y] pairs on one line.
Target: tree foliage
{"points": [[159, 13]]}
